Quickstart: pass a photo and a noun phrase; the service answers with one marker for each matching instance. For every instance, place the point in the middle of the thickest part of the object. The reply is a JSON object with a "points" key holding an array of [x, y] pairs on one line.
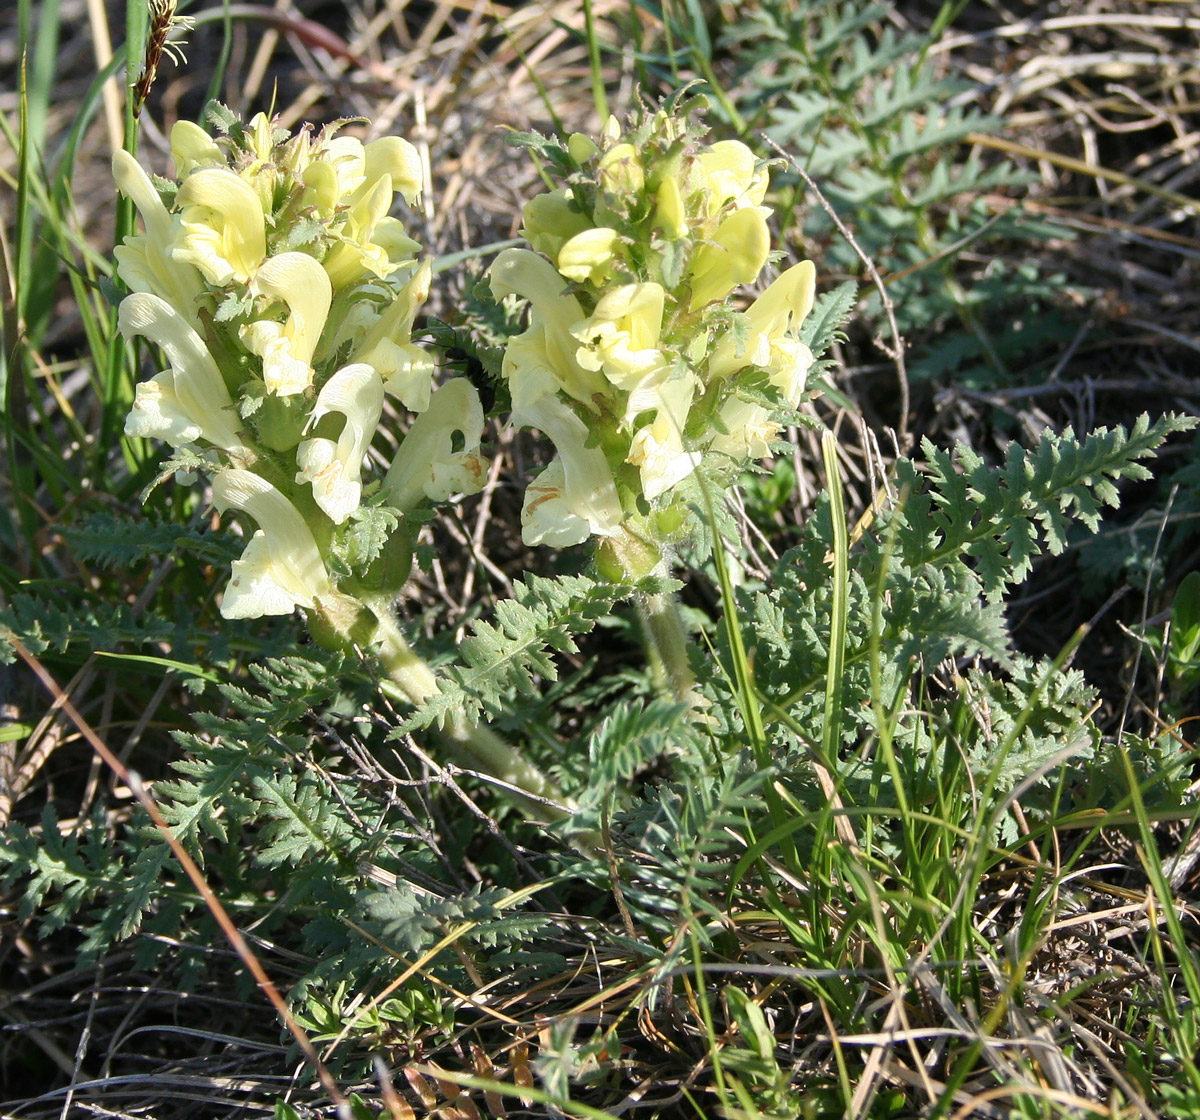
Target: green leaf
{"points": [[1185, 620]]}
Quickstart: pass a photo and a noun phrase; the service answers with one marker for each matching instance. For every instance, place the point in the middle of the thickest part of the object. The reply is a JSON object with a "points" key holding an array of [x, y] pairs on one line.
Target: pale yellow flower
{"points": [[188, 402], [386, 344], [286, 349], [359, 167], [369, 238], [280, 568], [774, 318], [224, 229], [145, 262], [384, 339], [657, 449], [356, 182], [427, 464], [321, 192], [621, 338], [334, 467], [574, 497], [749, 433], [735, 255], [728, 171], [544, 357]]}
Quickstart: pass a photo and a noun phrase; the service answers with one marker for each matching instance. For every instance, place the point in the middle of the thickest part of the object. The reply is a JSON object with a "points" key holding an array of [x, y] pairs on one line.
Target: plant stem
{"points": [[416, 682], [631, 556], [667, 636]]}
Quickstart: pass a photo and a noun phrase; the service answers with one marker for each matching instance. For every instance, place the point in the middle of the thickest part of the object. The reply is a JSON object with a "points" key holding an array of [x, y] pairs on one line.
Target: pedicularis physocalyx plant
{"points": [[283, 296], [636, 361]]}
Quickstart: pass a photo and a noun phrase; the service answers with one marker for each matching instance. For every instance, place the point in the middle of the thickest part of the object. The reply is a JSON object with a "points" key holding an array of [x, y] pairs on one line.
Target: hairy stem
{"points": [[414, 681], [663, 624]]}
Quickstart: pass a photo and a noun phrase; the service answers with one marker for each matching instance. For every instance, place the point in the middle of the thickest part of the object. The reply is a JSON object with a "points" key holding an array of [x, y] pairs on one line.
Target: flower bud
{"points": [[588, 256], [550, 220], [581, 147], [192, 147], [670, 214], [621, 171]]}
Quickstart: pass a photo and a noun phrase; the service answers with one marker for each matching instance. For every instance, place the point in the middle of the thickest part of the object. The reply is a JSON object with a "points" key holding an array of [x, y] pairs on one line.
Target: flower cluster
{"points": [[283, 294], [634, 362]]}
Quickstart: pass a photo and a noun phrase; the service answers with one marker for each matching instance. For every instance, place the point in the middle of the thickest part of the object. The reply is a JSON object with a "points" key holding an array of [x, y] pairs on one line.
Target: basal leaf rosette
{"points": [[647, 358], [273, 277]]}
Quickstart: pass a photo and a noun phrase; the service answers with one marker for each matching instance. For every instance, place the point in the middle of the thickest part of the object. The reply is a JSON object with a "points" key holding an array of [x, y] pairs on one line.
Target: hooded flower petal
{"points": [[133, 182], [735, 255], [145, 262], [197, 397], [427, 464], [580, 492], [548, 344], [399, 161], [588, 256], [280, 568], [335, 468], [223, 223], [406, 368], [786, 302], [391, 236], [192, 147], [527, 366], [345, 154], [321, 189], [299, 281]]}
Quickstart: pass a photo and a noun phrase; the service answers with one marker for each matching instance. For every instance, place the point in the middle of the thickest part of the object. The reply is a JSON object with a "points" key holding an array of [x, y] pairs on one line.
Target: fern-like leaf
{"points": [[507, 657]]}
